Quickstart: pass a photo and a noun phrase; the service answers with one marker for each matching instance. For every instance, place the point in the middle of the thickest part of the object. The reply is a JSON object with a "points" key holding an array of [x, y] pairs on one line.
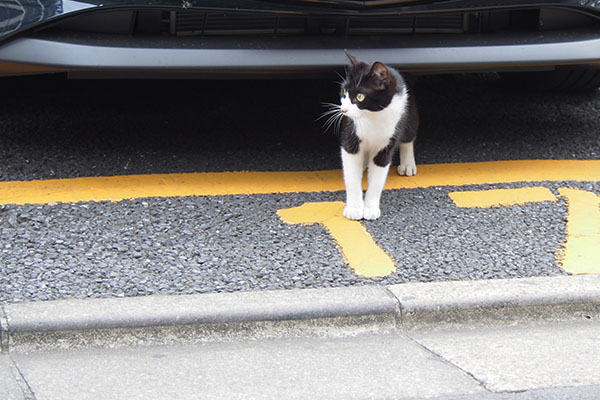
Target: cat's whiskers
{"points": [[334, 117], [330, 105], [334, 121], [338, 123], [334, 109], [331, 116]]}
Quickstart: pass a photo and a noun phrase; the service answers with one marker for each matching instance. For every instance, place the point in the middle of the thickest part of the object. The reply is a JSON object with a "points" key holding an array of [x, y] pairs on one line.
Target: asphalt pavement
{"points": [[56, 129]]}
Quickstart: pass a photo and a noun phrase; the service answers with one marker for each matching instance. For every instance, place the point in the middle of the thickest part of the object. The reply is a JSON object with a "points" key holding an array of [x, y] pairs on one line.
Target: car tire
{"points": [[573, 80]]}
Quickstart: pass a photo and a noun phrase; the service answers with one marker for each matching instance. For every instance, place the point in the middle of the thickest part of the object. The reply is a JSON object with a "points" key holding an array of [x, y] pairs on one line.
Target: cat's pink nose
{"points": [[344, 110]]}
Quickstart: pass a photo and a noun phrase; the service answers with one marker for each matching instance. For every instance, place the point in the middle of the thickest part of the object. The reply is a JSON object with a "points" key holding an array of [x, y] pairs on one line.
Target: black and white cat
{"points": [[378, 115]]}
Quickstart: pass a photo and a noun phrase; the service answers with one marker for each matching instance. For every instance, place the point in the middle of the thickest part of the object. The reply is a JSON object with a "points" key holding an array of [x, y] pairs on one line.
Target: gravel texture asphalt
{"points": [[205, 244], [58, 129]]}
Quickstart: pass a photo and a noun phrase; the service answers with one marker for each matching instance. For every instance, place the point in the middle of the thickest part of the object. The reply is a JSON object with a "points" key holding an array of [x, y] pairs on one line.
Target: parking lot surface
{"points": [[125, 188]]}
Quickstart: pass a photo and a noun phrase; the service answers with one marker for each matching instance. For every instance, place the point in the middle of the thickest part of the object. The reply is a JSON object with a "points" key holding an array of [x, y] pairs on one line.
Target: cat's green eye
{"points": [[345, 93], [360, 97]]}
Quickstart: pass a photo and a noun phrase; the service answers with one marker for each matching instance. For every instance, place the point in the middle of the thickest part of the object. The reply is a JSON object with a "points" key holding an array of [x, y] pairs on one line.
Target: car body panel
{"points": [[29, 43]]}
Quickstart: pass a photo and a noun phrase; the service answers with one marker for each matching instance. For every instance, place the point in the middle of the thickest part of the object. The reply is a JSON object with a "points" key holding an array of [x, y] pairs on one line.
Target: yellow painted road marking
{"points": [[117, 188], [501, 197], [581, 254], [499, 172], [358, 247]]}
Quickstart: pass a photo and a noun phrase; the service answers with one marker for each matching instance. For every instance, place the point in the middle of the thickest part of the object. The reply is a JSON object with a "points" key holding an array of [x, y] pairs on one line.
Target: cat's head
{"points": [[367, 87]]}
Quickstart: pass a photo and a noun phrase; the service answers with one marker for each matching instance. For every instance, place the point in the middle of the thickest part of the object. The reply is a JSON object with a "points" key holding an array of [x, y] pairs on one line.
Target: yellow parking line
{"points": [[501, 197], [581, 254], [501, 172], [358, 247], [117, 188]]}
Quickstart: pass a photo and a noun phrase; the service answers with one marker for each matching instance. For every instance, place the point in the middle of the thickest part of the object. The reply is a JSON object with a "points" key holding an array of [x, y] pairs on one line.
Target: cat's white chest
{"points": [[375, 128]]}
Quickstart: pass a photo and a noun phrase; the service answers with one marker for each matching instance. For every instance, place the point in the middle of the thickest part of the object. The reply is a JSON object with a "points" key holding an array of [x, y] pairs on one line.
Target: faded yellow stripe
{"points": [[117, 188], [229, 183], [501, 197], [498, 172], [358, 247], [581, 254]]}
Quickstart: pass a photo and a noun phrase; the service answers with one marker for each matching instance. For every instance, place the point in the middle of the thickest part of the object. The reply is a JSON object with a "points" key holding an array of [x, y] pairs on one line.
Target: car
{"points": [[552, 44]]}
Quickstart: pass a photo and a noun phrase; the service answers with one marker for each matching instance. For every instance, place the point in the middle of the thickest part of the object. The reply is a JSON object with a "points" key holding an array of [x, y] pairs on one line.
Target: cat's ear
{"points": [[380, 75], [355, 61]]}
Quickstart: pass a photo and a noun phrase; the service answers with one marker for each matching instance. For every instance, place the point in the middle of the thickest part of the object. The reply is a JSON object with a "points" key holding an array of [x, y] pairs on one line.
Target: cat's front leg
{"points": [[376, 181], [353, 172], [408, 166]]}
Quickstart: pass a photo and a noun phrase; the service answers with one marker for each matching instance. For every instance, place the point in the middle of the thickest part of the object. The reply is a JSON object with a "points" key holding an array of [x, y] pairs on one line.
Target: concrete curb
{"points": [[121, 322], [210, 308], [335, 311], [437, 304]]}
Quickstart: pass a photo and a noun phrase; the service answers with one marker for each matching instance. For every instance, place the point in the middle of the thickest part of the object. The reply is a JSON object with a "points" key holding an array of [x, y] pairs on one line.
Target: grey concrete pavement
{"points": [[522, 357], [360, 367], [9, 380], [496, 339]]}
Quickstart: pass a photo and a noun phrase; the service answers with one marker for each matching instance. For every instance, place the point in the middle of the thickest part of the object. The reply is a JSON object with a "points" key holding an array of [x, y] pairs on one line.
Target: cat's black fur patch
{"points": [[349, 140], [378, 83]]}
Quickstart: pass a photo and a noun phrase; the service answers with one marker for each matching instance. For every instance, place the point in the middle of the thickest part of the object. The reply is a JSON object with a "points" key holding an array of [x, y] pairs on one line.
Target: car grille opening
{"points": [[194, 23], [244, 26]]}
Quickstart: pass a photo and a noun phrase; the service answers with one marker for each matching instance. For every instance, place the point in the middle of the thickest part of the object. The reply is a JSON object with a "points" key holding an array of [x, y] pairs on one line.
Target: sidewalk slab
{"points": [[9, 388], [359, 367], [522, 357]]}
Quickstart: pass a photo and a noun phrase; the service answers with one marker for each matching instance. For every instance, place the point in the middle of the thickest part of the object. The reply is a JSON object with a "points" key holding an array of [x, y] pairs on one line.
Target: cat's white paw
{"points": [[407, 169], [354, 213], [371, 213]]}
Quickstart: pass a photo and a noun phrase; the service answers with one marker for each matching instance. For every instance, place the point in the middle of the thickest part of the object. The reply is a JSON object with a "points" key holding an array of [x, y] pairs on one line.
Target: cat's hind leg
{"points": [[408, 166], [409, 128]]}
